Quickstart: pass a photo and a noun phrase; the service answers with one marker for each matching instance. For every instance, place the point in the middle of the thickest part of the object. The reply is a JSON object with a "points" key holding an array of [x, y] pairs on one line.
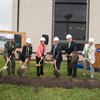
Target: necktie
{"points": [[87, 54], [54, 51], [10, 44], [27, 51], [43, 51], [69, 47]]}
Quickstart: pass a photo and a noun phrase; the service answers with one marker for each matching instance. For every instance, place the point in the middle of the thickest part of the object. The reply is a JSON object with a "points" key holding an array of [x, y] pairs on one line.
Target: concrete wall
{"points": [[35, 19], [94, 25]]}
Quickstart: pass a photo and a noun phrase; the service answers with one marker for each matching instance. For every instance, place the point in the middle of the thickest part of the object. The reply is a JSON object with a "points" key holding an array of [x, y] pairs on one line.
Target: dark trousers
{"points": [[39, 67], [74, 68], [13, 65], [57, 65]]}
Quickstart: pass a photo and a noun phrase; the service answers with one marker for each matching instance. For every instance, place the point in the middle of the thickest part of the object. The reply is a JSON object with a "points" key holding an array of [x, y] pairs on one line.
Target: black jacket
{"points": [[24, 53], [73, 47], [58, 53]]}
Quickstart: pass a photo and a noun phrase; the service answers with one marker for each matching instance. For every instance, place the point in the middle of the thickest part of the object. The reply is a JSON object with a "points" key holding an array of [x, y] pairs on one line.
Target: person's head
{"points": [[9, 38], [91, 41], [56, 40], [42, 40], [69, 38], [28, 42]]}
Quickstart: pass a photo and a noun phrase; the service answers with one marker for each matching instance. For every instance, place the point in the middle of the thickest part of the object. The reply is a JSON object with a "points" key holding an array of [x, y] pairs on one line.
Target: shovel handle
{"points": [[55, 65], [25, 62], [89, 61], [7, 61]]}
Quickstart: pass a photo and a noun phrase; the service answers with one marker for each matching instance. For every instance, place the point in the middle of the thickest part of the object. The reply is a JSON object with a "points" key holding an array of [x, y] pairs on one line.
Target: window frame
{"points": [[87, 21]]}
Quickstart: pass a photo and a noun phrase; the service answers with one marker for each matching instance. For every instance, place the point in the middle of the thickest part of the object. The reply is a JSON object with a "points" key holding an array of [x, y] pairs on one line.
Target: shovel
{"points": [[56, 72], [39, 62], [23, 66], [5, 67], [97, 68]]}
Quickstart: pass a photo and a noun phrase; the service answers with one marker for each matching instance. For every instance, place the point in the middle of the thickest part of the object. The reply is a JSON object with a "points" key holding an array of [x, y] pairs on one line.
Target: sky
{"points": [[6, 15]]}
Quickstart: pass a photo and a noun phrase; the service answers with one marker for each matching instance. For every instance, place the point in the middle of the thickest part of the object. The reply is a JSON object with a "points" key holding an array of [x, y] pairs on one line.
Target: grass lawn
{"points": [[9, 92]]}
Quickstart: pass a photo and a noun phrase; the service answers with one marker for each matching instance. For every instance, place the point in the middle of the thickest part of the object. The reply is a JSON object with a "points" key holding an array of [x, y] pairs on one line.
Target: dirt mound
{"points": [[20, 72], [67, 83]]}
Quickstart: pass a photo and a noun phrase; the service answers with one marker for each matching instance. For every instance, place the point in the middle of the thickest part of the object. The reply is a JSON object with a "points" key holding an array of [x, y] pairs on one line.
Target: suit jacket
{"points": [[8, 50], [58, 53], [91, 52], [73, 47], [24, 53]]}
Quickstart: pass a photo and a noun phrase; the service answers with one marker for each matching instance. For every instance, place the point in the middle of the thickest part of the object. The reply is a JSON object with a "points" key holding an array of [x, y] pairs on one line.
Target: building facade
{"points": [[38, 17]]}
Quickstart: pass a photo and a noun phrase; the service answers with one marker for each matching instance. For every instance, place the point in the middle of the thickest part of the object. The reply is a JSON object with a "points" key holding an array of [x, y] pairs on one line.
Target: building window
{"points": [[75, 25]]}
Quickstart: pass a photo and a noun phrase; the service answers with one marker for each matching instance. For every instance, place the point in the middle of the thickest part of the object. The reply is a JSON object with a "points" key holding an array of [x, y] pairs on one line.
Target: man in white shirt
{"points": [[89, 53]]}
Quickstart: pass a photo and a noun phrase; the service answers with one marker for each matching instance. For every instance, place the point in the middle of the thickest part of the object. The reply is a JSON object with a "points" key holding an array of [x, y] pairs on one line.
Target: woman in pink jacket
{"points": [[39, 55]]}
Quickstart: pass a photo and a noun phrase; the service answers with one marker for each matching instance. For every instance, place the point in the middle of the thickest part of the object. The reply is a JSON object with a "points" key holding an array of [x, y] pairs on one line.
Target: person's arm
{"points": [[39, 50], [14, 46], [84, 50], [58, 53], [6, 51], [75, 47], [52, 52], [24, 52], [45, 50]]}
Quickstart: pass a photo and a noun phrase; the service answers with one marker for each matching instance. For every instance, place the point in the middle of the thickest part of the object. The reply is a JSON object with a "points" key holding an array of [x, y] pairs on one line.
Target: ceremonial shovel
{"points": [[39, 62], [5, 67]]}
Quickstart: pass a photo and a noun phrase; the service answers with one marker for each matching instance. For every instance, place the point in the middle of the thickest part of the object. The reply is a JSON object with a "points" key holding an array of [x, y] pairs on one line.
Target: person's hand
{"points": [[26, 60], [13, 52], [88, 60], [30, 55], [51, 56], [83, 55], [71, 54], [54, 62], [8, 59], [66, 55]]}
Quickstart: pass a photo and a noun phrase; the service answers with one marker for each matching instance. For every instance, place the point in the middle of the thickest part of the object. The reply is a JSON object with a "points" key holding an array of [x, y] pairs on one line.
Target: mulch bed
{"points": [[67, 83]]}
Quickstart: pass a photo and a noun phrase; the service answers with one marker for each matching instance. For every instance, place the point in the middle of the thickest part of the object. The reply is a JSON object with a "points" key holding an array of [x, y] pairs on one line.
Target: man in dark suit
{"points": [[56, 53], [9, 49], [70, 47]]}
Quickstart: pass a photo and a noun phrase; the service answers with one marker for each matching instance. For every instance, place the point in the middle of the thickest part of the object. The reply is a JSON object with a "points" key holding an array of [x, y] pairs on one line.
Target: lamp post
{"points": [[67, 16]]}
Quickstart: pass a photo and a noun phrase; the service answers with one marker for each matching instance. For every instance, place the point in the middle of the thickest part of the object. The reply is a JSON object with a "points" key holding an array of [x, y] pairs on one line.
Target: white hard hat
{"points": [[91, 40], [56, 39], [42, 39], [9, 36], [68, 36], [28, 40]]}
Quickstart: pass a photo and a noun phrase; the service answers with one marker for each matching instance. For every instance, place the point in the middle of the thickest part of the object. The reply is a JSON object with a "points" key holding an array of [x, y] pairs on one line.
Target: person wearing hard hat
{"points": [[70, 47], [26, 54], [41, 51], [89, 53], [9, 50], [56, 53]]}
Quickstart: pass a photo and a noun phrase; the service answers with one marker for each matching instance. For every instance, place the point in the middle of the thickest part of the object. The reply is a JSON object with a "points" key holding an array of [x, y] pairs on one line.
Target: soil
{"points": [[67, 83], [20, 72]]}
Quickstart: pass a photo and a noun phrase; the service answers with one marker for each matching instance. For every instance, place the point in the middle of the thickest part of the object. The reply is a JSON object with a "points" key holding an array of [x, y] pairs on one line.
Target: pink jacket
{"points": [[40, 50]]}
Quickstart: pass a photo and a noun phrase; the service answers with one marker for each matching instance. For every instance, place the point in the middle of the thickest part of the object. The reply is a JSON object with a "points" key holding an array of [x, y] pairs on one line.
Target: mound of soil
{"points": [[67, 83]]}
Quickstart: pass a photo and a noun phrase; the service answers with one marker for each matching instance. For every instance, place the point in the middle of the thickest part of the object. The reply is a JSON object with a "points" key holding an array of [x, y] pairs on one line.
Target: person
{"points": [[89, 53], [70, 47], [56, 53], [9, 50], [41, 51], [27, 53]]}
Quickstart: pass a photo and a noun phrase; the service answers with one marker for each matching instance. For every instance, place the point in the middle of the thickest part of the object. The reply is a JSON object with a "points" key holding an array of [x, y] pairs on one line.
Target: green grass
{"points": [[2, 41], [12, 92]]}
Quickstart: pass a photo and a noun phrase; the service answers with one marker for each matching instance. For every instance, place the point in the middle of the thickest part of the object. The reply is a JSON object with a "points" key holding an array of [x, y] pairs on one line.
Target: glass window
{"points": [[77, 30], [80, 46], [78, 12], [71, 1]]}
